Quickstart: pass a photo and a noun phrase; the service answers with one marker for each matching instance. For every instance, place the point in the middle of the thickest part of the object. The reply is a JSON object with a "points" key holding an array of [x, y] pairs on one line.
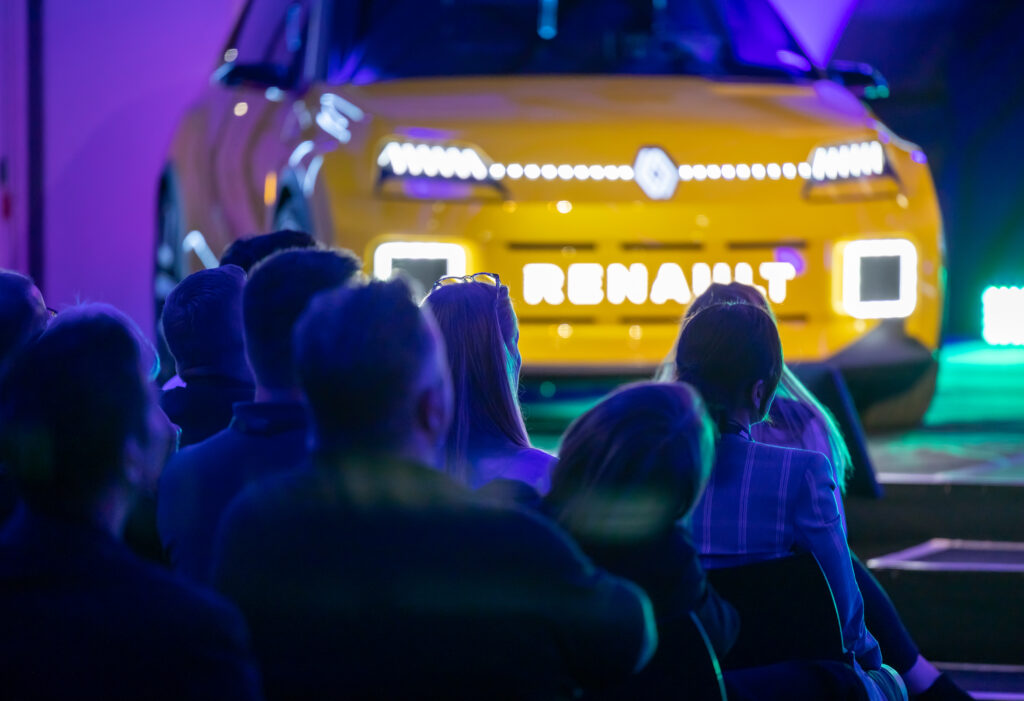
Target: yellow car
{"points": [[609, 159]]}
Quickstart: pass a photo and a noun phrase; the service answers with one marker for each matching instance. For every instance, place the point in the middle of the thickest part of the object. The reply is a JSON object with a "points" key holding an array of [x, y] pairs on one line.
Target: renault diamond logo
{"points": [[655, 173]]}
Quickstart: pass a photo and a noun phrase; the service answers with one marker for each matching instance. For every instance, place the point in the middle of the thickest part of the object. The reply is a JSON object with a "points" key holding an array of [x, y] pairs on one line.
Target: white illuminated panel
{"points": [[1003, 316], [853, 252], [385, 255]]}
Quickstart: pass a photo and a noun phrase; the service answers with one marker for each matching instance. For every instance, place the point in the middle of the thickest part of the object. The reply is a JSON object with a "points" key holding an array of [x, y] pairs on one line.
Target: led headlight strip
{"points": [[827, 163]]}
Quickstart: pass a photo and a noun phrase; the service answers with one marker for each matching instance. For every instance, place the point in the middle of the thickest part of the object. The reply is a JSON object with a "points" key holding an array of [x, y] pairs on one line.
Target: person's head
{"points": [[247, 252], [633, 465], [790, 385], [732, 354], [372, 366], [202, 323], [23, 314], [80, 429], [278, 291], [731, 293], [481, 336]]}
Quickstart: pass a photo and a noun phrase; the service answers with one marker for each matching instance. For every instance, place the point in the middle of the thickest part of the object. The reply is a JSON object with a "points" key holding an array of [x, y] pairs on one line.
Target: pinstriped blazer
{"points": [[763, 502]]}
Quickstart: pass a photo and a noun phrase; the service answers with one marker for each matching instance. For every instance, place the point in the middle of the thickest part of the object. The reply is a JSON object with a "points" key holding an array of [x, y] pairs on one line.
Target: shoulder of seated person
{"points": [[536, 459], [807, 459], [187, 607]]}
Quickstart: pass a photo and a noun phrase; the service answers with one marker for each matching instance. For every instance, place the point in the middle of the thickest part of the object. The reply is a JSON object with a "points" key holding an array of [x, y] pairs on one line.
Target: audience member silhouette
{"points": [[23, 313], [487, 439], [795, 407], [265, 436], [83, 617], [763, 501], [630, 470], [798, 420], [23, 317], [248, 251], [371, 574], [202, 324]]}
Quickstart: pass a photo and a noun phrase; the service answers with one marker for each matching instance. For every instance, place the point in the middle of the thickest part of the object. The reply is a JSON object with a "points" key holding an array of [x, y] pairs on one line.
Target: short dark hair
{"points": [[247, 252], [68, 403], [202, 319], [22, 316], [361, 353], [278, 291], [723, 350], [633, 465]]}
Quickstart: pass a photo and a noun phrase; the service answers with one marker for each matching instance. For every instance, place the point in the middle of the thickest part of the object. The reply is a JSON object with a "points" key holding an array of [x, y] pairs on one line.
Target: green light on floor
{"points": [[1002, 311]]}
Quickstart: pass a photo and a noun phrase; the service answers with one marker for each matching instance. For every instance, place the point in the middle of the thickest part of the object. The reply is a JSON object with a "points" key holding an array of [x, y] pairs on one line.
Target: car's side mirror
{"points": [[261, 74], [862, 79]]}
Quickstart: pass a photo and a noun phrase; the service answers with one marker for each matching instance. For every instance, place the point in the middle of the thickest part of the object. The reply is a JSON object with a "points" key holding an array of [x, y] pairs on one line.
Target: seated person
{"points": [[82, 616], [372, 574], [762, 501], [23, 316], [630, 471], [798, 420], [202, 324], [487, 439], [265, 436]]}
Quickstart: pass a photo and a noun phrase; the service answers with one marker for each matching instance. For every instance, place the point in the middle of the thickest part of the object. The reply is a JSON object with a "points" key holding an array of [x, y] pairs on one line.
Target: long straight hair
{"points": [[480, 333], [790, 386]]}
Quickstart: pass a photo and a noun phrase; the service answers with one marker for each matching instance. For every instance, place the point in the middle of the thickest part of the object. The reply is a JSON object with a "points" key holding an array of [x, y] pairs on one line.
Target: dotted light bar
{"points": [[855, 160], [1003, 316]]}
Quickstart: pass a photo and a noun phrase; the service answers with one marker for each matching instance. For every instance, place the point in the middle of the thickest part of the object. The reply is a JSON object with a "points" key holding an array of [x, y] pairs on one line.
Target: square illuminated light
{"points": [[1003, 316], [864, 296], [387, 253]]}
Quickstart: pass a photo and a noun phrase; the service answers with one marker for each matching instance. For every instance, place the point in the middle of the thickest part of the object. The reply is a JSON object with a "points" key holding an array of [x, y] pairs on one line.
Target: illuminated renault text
{"points": [[586, 284]]}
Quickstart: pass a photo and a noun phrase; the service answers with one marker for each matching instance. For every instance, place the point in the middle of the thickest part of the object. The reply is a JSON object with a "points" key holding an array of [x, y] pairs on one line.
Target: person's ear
{"points": [[433, 412], [758, 397], [135, 457]]}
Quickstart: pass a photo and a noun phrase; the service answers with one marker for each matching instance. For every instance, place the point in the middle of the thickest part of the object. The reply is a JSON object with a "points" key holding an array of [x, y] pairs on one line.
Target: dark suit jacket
{"points": [[376, 580], [84, 618], [204, 406], [198, 483]]}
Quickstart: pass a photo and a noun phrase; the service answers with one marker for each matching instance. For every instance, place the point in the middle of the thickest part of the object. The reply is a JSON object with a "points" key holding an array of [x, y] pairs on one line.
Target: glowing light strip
{"points": [[1003, 316], [854, 160], [848, 161], [195, 241]]}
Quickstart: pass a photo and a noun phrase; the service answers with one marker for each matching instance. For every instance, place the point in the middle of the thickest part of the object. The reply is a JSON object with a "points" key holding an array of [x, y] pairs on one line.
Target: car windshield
{"points": [[377, 40]]}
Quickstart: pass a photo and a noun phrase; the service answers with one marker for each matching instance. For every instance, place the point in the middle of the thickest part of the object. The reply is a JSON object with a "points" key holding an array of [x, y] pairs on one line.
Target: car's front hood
{"points": [[590, 112]]}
